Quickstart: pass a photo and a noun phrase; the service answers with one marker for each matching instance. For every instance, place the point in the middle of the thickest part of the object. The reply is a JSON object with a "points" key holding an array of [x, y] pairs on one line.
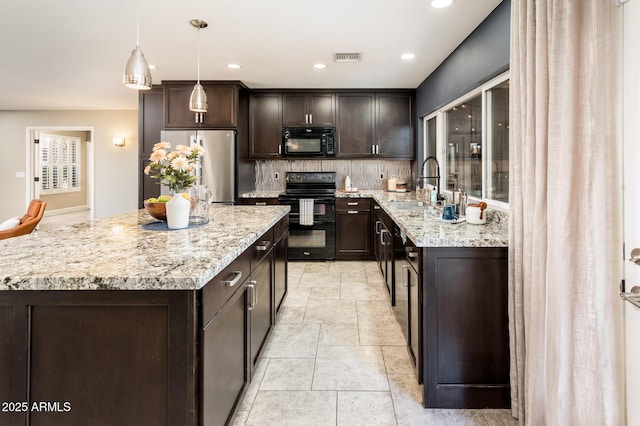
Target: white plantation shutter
{"points": [[60, 164]]}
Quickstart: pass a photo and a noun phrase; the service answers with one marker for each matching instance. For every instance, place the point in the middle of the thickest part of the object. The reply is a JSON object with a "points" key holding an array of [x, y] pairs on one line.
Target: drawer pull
{"points": [[230, 282], [261, 203], [352, 204], [352, 211], [264, 246], [412, 254]]}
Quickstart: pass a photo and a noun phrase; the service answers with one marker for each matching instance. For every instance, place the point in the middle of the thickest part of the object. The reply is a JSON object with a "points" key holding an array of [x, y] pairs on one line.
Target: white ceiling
{"points": [[70, 54]]}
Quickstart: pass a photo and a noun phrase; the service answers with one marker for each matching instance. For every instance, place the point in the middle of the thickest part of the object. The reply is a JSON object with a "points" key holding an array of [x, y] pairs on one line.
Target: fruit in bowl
{"points": [[156, 207]]}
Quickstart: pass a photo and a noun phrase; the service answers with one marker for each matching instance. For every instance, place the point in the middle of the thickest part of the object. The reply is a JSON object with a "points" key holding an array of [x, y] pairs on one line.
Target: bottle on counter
{"points": [[434, 195], [347, 184]]}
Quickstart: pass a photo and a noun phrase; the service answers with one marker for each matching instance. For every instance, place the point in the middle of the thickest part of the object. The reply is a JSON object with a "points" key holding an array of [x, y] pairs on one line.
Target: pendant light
{"points": [[137, 74], [198, 99]]}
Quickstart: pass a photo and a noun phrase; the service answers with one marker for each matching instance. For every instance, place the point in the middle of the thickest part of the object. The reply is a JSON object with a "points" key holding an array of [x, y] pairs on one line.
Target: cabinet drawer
{"points": [[222, 286], [255, 201], [357, 204], [261, 248]]}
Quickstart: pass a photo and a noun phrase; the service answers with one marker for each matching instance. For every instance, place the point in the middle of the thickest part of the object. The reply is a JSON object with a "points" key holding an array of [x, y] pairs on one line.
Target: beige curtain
{"points": [[565, 241]]}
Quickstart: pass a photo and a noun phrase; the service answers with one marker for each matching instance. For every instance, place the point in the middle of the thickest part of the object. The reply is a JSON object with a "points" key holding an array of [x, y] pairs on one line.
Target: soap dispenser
{"points": [[347, 184]]}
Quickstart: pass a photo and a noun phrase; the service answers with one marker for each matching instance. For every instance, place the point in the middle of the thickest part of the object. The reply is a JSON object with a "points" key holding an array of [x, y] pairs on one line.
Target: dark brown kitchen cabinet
{"points": [[265, 125], [260, 308], [355, 125], [394, 129], [353, 229], [308, 109], [225, 364], [150, 124], [280, 265], [383, 248], [376, 124], [222, 100], [465, 324]]}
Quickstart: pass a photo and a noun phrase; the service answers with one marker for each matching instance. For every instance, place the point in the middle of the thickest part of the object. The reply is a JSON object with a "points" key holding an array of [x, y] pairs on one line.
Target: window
{"points": [[59, 164], [473, 146]]}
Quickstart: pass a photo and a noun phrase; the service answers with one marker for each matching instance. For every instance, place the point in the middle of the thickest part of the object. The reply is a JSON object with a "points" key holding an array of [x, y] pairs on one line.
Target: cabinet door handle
{"points": [[382, 232], [377, 149], [261, 203], [378, 226], [352, 204], [376, 207], [405, 269], [264, 246], [230, 282], [412, 254], [373, 149], [310, 118], [251, 286], [279, 149], [352, 211]]}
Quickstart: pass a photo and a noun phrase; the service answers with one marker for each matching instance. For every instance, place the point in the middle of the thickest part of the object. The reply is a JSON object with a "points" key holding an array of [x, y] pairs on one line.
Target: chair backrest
{"points": [[28, 222], [34, 212]]}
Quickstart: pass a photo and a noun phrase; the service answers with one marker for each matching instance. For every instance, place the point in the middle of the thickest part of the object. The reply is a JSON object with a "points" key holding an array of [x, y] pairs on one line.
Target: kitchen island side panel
{"points": [[100, 357]]}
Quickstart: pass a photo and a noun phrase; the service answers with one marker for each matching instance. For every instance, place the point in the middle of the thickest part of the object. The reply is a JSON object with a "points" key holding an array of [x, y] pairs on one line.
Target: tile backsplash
{"points": [[365, 174]]}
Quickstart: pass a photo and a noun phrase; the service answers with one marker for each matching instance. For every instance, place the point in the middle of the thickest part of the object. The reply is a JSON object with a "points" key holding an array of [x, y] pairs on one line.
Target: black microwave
{"points": [[309, 142]]}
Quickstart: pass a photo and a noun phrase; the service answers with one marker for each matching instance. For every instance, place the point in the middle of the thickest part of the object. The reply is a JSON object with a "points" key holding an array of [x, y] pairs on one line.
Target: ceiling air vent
{"points": [[347, 57]]}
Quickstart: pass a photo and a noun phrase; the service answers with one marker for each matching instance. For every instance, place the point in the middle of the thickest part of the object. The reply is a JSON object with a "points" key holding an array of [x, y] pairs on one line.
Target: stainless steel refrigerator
{"points": [[218, 169]]}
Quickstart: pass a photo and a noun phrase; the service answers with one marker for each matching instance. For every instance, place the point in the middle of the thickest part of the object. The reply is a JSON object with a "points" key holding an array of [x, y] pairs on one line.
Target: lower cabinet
{"points": [[280, 265], [353, 229], [465, 339], [259, 308], [225, 364], [383, 248]]}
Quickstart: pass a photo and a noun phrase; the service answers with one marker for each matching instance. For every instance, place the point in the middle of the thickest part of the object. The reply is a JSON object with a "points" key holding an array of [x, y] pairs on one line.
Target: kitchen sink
{"points": [[411, 204]]}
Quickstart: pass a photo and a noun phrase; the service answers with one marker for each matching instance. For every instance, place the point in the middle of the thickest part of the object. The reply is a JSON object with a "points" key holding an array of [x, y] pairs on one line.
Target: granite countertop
{"points": [[424, 227], [262, 194], [116, 253]]}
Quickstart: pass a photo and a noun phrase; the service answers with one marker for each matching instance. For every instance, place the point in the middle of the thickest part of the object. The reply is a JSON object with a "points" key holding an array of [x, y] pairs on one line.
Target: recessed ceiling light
{"points": [[319, 66], [439, 4], [233, 66], [408, 56]]}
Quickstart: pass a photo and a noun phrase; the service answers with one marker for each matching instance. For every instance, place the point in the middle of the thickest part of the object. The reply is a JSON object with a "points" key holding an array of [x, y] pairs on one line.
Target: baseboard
{"points": [[67, 210]]}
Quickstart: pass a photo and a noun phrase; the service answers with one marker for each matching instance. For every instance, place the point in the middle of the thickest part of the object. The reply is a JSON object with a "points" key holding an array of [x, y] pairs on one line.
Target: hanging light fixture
{"points": [[198, 99], [137, 74]]}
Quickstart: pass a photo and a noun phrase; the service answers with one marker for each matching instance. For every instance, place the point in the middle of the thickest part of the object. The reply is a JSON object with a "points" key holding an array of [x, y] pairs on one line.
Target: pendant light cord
{"points": [[137, 24], [198, 42]]}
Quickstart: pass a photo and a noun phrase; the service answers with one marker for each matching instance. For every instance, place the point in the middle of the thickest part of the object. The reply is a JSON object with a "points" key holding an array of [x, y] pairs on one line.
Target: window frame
{"points": [[441, 146]]}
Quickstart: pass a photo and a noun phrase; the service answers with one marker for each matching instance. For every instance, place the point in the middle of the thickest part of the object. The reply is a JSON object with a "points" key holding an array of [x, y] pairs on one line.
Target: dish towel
{"points": [[306, 211]]}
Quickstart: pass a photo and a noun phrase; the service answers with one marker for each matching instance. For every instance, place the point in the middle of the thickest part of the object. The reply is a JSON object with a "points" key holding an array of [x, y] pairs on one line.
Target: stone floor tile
{"points": [[365, 409], [397, 360], [361, 291], [288, 374], [350, 368], [294, 408], [355, 267], [499, 417], [376, 308], [319, 293], [297, 297], [331, 312], [320, 279], [339, 335], [317, 267], [381, 330], [240, 418], [291, 315], [293, 341]]}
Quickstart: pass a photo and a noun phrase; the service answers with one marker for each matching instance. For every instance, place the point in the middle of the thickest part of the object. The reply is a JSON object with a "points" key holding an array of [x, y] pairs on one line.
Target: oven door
{"points": [[315, 242]]}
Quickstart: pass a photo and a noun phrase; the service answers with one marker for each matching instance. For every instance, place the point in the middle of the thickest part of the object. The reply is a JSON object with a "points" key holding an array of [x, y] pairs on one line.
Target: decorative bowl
{"points": [[157, 210]]}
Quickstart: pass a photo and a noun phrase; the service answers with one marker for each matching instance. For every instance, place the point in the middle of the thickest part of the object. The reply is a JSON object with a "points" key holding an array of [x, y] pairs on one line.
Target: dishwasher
{"points": [[407, 309]]}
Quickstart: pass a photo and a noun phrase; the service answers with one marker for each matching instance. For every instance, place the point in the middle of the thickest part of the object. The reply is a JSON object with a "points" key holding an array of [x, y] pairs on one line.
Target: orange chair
{"points": [[28, 222]]}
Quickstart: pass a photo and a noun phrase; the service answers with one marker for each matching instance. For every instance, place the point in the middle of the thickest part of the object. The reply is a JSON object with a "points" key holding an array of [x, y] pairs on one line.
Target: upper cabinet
{"points": [[394, 129], [308, 109], [265, 125], [355, 128], [375, 125], [369, 124], [222, 100]]}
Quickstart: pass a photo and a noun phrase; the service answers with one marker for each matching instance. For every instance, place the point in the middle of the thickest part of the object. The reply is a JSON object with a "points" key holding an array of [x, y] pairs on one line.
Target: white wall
{"points": [[115, 172]]}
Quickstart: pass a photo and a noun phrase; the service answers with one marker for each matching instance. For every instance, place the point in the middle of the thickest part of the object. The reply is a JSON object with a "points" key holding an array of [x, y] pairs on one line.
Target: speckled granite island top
{"points": [[115, 253], [424, 227]]}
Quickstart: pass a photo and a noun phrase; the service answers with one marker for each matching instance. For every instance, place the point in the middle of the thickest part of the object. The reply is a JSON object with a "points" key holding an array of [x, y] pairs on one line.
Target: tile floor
{"points": [[337, 357]]}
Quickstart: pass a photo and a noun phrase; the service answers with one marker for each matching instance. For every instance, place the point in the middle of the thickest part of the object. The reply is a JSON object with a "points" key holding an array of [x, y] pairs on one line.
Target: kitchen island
{"points": [[109, 322]]}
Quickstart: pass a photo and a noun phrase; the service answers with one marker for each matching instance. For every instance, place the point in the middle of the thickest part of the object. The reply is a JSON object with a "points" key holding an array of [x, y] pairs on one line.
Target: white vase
{"points": [[178, 212]]}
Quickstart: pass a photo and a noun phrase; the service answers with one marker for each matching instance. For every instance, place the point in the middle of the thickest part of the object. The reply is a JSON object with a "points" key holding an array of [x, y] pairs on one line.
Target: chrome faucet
{"points": [[422, 177]]}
